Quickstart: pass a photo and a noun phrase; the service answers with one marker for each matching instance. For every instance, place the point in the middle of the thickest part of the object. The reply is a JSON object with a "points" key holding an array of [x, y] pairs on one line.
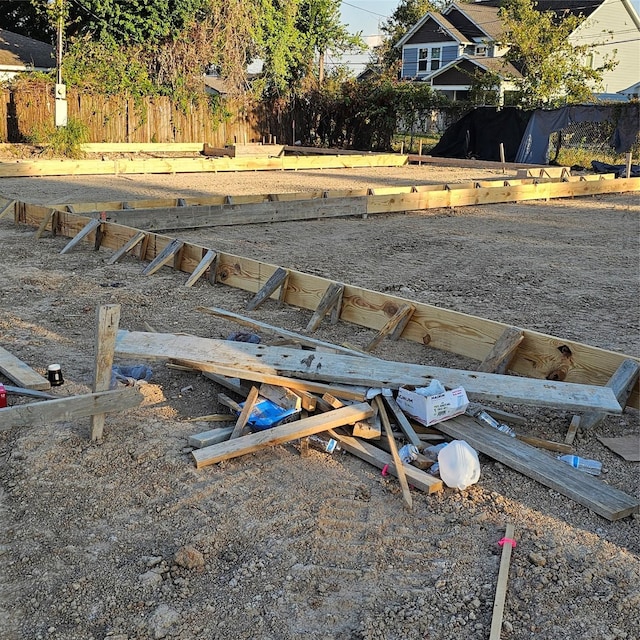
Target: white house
{"points": [[447, 48], [19, 53]]}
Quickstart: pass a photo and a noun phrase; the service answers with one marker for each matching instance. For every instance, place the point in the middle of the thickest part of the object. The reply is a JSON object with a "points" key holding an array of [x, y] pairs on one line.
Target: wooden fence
{"points": [[116, 119]]}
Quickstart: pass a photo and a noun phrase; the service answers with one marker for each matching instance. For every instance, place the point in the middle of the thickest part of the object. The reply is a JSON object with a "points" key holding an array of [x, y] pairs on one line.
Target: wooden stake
{"points": [[107, 321], [207, 260], [243, 418], [406, 493], [92, 225], [278, 279], [331, 298], [628, 165], [501, 590], [125, 248], [502, 156]]}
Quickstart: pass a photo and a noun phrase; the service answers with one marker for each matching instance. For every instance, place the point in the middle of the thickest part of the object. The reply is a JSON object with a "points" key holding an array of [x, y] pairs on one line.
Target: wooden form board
{"points": [[607, 501], [538, 356], [192, 165], [142, 147], [469, 162], [354, 370], [21, 373]]}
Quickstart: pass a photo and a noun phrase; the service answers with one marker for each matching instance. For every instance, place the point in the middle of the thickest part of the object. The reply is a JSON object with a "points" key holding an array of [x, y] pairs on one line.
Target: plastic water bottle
{"points": [[328, 445], [483, 416], [408, 453], [432, 451], [590, 466]]}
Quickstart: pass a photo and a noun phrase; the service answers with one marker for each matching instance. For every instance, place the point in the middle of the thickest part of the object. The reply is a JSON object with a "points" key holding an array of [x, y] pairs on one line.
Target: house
{"points": [[466, 40], [19, 53]]}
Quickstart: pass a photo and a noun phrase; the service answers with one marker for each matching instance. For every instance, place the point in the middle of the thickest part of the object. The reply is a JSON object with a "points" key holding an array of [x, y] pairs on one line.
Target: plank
{"points": [[43, 224], [380, 459], [208, 258], [126, 247], [573, 430], [501, 587], [278, 279], [245, 413], [280, 434], [622, 382], [21, 373], [69, 408], [107, 322], [297, 337], [329, 300], [498, 359], [394, 326], [399, 466], [540, 356], [207, 438], [168, 254], [142, 147], [606, 501], [401, 419], [8, 208], [353, 370], [90, 227]]}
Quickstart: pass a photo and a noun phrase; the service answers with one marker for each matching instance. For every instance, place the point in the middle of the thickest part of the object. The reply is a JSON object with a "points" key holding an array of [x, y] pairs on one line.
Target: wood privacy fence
{"points": [[118, 119]]}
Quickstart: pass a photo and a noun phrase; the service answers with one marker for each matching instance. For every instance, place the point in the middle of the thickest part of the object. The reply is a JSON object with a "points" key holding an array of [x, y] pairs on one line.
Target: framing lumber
{"points": [[606, 501], [107, 322], [540, 356], [70, 408], [401, 419], [46, 219], [126, 247], [331, 299], [249, 358], [622, 382], [277, 280], [207, 438], [280, 434], [168, 254], [400, 471], [142, 147], [393, 327], [296, 337], [389, 200], [207, 261], [90, 227], [21, 373], [380, 459], [8, 208], [245, 413], [470, 163], [498, 359], [25, 168], [501, 587]]}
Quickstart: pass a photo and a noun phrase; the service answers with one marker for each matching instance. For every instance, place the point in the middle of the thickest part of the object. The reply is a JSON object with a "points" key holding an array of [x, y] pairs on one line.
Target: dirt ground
{"points": [[126, 540]]}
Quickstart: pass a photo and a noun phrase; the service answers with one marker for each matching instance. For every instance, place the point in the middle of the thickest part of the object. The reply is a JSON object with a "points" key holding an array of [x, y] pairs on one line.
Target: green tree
{"points": [[554, 70]]}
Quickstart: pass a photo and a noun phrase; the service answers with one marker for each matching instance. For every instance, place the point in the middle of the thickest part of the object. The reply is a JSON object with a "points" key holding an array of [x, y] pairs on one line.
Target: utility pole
{"points": [[60, 88]]}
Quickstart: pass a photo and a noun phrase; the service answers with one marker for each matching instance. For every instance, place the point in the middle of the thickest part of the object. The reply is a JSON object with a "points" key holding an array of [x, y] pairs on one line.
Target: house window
{"points": [[436, 52], [423, 59], [470, 49]]}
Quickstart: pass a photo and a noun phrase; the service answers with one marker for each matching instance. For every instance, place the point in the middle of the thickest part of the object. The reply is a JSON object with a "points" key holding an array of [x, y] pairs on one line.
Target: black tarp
{"points": [[479, 133]]}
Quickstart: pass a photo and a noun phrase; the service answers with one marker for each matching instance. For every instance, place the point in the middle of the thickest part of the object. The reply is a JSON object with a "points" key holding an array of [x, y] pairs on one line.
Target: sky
{"points": [[366, 16]]}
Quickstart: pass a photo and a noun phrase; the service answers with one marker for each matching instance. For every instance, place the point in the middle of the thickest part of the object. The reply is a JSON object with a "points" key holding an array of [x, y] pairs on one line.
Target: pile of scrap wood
{"points": [[354, 398]]}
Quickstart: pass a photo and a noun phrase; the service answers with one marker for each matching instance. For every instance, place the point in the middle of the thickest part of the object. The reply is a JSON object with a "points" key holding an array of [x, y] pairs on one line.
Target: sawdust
{"points": [[127, 540]]}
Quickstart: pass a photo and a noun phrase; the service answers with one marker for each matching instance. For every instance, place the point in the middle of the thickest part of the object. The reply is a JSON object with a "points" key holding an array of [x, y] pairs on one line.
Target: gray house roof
{"points": [[22, 52], [483, 16]]}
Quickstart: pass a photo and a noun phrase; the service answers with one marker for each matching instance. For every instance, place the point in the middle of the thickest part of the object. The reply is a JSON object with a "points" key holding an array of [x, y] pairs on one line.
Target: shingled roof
{"points": [[20, 51]]}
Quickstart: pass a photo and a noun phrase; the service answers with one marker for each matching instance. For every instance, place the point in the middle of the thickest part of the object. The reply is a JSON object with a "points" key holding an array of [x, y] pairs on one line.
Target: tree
{"points": [[554, 70]]}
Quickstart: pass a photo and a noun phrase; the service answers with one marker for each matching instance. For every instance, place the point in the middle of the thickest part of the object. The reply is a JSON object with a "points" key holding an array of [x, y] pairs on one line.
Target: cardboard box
{"points": [[430, 410]]}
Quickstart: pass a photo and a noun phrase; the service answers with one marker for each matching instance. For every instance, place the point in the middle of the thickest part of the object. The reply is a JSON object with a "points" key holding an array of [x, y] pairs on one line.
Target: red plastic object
{"points": [[3, 396]]}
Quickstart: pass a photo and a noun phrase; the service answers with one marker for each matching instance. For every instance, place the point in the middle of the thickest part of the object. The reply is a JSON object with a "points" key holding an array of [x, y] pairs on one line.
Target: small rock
{"points": [[538, 559], [150, 579], [507, 626], [189, 558], [161, 621]]}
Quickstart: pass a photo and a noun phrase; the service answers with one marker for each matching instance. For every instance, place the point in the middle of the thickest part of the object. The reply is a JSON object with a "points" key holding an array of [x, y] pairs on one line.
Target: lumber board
{"points": [[469, 162], [497, 360], [25, 168], [380, 459], [277, 280], [107, 322], [89, 228], [207, 438], [353, 370], [207, 260], [70, 408], [8, 208], [142, 147], [281, 434], [126, 247], [21, 373], [539, 355], [601, 498]]}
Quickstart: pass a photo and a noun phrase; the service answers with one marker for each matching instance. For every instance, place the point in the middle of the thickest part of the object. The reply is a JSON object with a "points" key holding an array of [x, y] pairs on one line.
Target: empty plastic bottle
{"points": [[484, 417], [408, 453], [321, 443], [589, 466]]}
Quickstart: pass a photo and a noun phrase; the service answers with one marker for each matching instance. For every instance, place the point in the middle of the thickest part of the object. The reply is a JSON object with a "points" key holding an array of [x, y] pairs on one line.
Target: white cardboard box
{"points": [[429, 410]]}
